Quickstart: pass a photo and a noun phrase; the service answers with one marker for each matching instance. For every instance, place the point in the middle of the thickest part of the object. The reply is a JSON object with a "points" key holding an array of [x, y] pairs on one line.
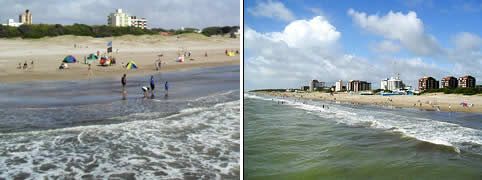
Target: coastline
{"points": [[428, 101], [82, 74]]}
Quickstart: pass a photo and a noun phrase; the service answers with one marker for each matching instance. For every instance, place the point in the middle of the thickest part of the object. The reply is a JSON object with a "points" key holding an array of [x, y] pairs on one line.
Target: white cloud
{"points": [[386, 47], [277, 61], [467, 42], [312, 33], [406, 28], [272, 10]]}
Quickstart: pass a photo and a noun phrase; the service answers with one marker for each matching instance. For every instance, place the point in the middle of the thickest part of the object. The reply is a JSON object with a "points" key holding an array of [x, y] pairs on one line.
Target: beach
{"points": [[48, 53], [84, 129], [428, 101]]}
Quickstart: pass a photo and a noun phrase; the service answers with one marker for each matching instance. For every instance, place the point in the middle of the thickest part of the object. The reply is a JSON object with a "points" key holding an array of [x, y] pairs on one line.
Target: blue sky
{"points": [[441, 25]]}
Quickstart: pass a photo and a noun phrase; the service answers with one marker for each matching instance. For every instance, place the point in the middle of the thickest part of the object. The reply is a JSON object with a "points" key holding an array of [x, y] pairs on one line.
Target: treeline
{"points": [[45, 30], [209, 31], [464, 91]]}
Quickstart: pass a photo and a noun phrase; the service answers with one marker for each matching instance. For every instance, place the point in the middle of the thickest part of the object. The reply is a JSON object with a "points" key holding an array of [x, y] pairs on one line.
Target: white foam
{"points": [[97, 145], [433, 131]]}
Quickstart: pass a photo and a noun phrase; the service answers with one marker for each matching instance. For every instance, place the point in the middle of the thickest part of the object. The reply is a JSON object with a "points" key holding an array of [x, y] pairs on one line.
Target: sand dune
{"points": [[48, 53]]}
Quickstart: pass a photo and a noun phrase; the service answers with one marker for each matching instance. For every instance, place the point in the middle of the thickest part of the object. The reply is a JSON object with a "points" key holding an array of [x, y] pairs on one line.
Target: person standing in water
{"points": [[124, 82], [152, 86], [166, 86]]}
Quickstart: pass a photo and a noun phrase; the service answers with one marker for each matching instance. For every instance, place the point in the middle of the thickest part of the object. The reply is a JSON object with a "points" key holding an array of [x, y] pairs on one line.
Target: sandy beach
{"points": [[426, 101], [48, 53]]}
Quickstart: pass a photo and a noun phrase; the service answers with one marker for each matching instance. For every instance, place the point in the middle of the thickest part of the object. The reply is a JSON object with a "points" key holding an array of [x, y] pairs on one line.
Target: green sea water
{"points": [[300, 139]]}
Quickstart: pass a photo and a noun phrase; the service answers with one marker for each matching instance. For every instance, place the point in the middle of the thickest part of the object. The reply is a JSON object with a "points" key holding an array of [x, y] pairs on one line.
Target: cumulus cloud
{"points": [[300, 53], [165, 13], [308, 33], [386, 47], [467, 42], [406, 28], [272, 9]]}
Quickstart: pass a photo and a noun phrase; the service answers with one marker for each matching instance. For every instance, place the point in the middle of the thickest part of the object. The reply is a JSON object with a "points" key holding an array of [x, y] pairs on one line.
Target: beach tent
{"points": [[131, 65], [230, 54], [70, 59], [92, 56]]}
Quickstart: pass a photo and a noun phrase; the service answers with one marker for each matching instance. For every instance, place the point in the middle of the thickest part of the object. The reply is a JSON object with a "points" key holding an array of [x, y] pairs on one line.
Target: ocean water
{"points": [[84, 130], [299, 139]]}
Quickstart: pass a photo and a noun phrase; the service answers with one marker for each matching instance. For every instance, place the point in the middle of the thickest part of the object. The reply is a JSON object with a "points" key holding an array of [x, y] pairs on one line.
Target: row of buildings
{"points": [[118, 19], [352, 85], [25, 18], [394, 84], [448, 82], [123, 19]]}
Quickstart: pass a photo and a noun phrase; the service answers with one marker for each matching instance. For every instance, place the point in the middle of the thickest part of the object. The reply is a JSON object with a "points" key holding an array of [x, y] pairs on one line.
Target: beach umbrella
{"points": [[70, 59]]}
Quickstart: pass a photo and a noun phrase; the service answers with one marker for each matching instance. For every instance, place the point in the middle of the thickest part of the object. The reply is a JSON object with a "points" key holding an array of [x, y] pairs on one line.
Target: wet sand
{"points": [[427, 101]]}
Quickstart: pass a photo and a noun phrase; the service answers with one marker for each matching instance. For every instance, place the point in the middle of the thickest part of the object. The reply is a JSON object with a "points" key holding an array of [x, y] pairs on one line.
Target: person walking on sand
{"points": [[152, 86], [166, 87], [90, 73], [124, 82]]}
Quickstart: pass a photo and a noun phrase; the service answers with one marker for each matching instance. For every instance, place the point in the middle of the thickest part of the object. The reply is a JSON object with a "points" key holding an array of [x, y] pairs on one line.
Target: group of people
{"points": [[144, 88], [25, 65], [64, 66], [226, 52]]}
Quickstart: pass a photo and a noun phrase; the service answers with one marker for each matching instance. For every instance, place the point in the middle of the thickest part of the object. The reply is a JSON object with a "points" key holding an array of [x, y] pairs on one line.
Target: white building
{"points": [[119, 19], [384, 84], [392, 84], [12, 22], [339, 85], [140, 23]]}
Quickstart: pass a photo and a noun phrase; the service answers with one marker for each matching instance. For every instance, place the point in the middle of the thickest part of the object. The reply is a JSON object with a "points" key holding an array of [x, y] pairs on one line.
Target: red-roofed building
{"points": [[427, 83], [449, 82], [466, 81]]}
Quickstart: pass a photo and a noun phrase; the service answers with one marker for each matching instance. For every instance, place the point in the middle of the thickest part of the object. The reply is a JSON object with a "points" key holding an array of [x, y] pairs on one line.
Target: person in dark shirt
{"points": [[124, 82]]}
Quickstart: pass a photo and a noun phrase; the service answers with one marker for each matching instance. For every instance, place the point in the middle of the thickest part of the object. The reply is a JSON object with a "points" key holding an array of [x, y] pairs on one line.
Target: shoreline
{"points": [[426, 102], [83, 74]]}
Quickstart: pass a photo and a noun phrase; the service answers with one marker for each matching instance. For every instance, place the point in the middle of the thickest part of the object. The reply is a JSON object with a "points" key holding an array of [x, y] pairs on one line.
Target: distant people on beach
{"points": [[25, 65], [63, 66], [152, 86], [90, 73], [146, 90], [124, 83], [166, 88]]}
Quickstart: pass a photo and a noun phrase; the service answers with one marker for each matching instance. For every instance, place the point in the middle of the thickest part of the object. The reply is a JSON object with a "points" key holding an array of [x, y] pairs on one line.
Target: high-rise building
{"points": [[466, 81], [449, 82], [356, 85], [25, 18], [339, 85], [427, 83], [316, 85], [119, 19]]}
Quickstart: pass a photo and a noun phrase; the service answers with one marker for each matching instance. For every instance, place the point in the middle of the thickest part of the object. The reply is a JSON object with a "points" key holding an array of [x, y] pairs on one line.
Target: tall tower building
{"points": [[25, 18]]}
